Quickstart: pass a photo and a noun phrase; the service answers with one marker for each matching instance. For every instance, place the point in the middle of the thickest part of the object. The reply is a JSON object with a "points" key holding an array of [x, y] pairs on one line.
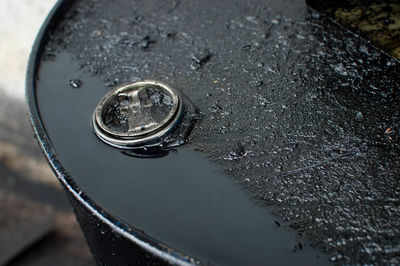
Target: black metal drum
{"points": [[224, 132]]}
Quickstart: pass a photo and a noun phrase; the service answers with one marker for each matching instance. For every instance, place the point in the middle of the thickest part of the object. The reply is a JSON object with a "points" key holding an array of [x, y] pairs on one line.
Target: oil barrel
{"points": [[219, 132]]}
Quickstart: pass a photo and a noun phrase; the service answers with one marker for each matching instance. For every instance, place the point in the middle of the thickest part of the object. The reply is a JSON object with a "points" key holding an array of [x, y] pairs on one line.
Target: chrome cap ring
{"points": [[137, 114]]}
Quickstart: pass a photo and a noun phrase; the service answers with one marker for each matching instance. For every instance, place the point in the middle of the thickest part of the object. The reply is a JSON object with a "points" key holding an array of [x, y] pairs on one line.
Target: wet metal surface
{"points": [[303, 115], [182, 192]]}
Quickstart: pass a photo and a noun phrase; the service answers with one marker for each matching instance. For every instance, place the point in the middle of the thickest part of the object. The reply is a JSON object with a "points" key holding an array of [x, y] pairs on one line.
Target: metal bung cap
{"points": [[137, 114]]}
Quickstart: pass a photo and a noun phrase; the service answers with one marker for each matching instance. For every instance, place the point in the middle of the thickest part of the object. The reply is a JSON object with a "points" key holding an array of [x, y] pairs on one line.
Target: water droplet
{"points": [[256, 83], [171, 35], [256, 45], [338, 256], [237, 152], [75, 83], [359, 116], [391, 62], [340, 69], [146, 42], [275, 21], [216, 108], [200, 59], [315, 15], [96, 33], [111, 82], [252, 19]]}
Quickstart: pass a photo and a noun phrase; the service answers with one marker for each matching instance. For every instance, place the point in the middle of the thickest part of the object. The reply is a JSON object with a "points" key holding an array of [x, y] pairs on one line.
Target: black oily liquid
{"points": [[183, 199]]}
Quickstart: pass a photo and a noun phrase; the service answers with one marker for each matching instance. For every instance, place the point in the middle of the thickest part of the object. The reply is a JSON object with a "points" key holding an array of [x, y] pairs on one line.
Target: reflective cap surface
{"points": [[136, 114]]}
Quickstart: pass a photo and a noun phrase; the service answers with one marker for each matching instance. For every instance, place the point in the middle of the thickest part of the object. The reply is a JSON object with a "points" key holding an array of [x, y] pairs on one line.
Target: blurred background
{"points": [[37, 226]]}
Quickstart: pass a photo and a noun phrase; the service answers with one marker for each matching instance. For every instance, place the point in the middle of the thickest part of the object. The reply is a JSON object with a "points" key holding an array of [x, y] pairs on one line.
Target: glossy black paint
{"points": [[107, 246]]}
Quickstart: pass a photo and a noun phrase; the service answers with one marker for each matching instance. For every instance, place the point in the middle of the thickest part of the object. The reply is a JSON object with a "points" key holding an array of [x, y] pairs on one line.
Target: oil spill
{"points": [[181, 199], [75, 83]]}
